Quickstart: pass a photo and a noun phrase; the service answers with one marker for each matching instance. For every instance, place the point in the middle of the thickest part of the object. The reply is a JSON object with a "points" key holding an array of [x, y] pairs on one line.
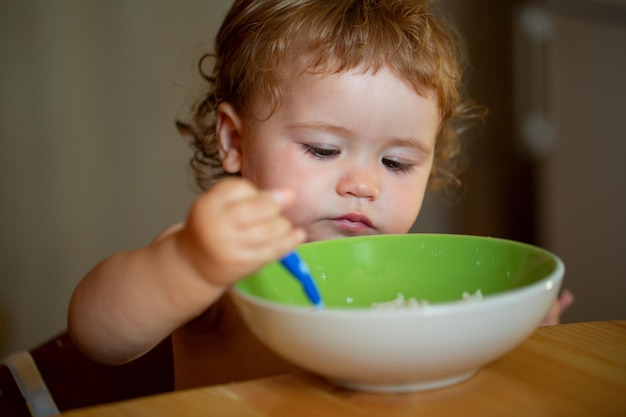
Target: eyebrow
{"points": [[323, 127], [343, 132]]}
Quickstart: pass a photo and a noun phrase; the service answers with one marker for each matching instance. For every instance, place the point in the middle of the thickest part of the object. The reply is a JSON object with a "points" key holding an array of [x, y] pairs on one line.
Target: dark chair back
{"points": [[75, 381]]}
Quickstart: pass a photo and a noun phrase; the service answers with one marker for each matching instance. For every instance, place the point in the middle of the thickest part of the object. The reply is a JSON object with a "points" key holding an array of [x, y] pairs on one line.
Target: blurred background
{"points": [[90, 162]]}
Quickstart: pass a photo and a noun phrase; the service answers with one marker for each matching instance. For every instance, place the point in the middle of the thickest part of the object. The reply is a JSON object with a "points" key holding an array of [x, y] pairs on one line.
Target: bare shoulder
{"points": [[169, 231], [218, 348]]}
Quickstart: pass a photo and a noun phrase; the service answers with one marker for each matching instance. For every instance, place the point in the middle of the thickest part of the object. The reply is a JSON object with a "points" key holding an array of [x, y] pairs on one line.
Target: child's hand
{"points": [[565, 300], [134, 299], [234, 229]]}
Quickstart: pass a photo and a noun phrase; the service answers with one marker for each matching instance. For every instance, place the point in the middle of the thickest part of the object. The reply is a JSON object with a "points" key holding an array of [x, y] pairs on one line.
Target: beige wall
{"points": [[563, 188], [583, 178], [90, 162]]}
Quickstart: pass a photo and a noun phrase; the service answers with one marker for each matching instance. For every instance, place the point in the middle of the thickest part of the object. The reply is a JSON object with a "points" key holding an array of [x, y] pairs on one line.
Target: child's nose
{"points": [[360, 182]]}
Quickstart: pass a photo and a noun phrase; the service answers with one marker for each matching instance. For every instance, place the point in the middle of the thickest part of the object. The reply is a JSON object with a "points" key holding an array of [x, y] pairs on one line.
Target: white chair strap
{"points": [[31, 384]]}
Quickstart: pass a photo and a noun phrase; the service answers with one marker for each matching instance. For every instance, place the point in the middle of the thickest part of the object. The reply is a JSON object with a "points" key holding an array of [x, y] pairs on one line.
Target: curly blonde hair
{"points": [[259, 39]]}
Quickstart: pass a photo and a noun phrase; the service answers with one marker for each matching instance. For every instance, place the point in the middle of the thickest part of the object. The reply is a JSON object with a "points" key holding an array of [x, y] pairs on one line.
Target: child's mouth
{"points": [[354, 222]]}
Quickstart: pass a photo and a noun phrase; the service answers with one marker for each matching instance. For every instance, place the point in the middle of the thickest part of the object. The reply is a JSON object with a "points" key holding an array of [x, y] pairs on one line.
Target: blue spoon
{"points": [[300, 270]]}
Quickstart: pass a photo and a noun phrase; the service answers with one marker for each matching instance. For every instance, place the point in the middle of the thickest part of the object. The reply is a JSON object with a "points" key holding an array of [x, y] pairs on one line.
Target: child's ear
{"points": [[229, 129]]}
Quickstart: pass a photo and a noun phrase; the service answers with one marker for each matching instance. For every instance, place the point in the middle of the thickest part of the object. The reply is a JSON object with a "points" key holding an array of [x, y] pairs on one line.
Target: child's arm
{"points": [[133, 300]]}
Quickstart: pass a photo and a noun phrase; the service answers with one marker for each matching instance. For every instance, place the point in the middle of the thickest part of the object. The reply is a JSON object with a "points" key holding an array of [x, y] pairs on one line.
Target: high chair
{"points": [[56, 376]]}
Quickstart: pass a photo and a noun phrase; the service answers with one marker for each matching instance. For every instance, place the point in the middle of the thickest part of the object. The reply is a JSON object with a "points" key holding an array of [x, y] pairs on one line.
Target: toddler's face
{"points": [[356, 147]]}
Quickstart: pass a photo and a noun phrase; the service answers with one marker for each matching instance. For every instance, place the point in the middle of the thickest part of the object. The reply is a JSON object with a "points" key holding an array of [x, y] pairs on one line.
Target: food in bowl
{"points": [[400, 302], [442, 342]]}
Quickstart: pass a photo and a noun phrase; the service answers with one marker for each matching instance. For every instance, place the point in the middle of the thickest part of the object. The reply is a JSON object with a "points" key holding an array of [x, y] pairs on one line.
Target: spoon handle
{"points": [[299, 269]]}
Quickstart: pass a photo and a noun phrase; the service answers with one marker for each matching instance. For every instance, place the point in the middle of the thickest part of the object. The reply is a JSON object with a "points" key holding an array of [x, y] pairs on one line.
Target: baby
{"points": [[322, 119]]}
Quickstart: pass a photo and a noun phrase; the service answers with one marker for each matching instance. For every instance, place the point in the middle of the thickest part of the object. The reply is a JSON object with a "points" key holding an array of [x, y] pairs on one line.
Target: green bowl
{"points": [[357, 272], [431, 345]]}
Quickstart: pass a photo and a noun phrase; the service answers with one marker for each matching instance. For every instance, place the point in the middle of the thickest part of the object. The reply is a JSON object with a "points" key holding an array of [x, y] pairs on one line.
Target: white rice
{"points": [[477, 296], [400, 303]]}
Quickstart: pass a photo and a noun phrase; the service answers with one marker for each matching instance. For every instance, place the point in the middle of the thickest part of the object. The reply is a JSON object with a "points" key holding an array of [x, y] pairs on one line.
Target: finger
{"points": [[273, 249], [566, 299], [259, 208], [232, 190], [553, 315], [234, 254], [282, 196], [264, 232], [269, 233]]}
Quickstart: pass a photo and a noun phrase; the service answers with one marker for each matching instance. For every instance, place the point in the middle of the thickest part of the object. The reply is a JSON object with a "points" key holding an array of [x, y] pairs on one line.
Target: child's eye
{"points": [[397, 166], [320, 152]]}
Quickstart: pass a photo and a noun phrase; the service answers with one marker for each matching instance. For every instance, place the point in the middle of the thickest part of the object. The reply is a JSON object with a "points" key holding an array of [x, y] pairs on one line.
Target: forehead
{"points": [[266, 100], [355, 104]]}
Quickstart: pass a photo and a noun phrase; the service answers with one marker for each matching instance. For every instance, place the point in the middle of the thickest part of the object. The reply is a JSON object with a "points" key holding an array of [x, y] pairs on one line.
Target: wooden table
{"points": [[565, 370]]}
